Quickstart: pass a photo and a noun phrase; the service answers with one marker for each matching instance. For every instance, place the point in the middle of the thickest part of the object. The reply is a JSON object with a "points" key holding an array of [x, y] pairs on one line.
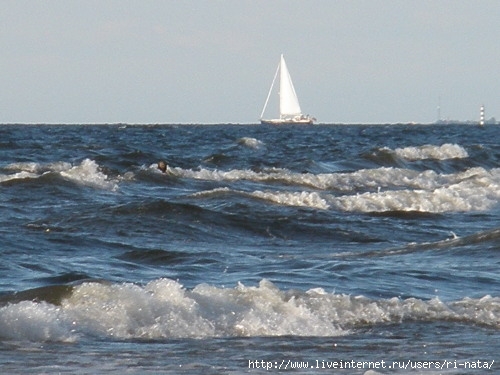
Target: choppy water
{"points": [[288, 245]]}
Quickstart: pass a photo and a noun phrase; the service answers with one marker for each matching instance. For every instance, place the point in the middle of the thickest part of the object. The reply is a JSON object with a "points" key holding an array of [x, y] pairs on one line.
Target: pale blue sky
{"points": [[352, 61]]}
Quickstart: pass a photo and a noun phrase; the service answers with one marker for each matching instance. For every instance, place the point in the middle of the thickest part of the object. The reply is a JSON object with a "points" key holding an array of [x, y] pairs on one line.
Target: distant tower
{"points": [[481, 115]]}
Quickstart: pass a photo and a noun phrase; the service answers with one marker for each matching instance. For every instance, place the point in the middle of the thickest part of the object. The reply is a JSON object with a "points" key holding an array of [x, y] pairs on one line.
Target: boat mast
{"points": [[271, 89]]}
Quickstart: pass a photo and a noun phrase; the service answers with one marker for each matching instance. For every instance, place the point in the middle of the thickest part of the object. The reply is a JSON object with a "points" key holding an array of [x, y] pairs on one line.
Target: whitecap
{"points": [[298, 199], [32, 170], [163, 308], [30, 321], [472, 190], [18, 176], [250, 142], [443, 152], [88, 173]]}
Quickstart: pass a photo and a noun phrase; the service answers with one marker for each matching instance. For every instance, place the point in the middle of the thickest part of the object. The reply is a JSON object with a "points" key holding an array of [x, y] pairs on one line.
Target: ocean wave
{"points": [[38, 168], [480, 192], [250, 142], [453, 242], [29, 170], [443, 152], [19, 176], [364, 179], [474, 190], [394, 190], [297, 199], [87, 173], [164, 309]]}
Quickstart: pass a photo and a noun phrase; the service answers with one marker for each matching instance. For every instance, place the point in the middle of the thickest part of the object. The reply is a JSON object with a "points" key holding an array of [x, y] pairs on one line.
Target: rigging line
{"points": [[271, 89]]}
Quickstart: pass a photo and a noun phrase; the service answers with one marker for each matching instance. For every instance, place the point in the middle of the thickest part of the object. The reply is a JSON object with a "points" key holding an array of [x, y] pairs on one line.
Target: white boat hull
{"points": [[287, 122]]}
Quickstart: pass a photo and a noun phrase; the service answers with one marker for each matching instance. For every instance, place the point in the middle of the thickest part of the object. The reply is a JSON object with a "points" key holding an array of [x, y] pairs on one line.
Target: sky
{"points": [[213, 61]]}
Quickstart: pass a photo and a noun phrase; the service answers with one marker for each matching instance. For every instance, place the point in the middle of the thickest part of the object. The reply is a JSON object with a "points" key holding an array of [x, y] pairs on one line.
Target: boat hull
{"points": [[287, 122]]}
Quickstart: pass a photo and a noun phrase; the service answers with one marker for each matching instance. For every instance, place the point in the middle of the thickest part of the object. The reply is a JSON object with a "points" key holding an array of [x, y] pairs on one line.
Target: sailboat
{"points": [[290, 112]]}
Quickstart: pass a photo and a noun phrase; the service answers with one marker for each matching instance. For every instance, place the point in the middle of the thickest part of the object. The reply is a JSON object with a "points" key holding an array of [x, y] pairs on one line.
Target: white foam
{"points": [[218, 175], [473, 190], [32, 321], [443, 152], [24, 166], [88, 173], [18, 176], [364, 179], [213, 192], [32, 167], [165, 309], [31, 170], [250, 142], [298, 199]]}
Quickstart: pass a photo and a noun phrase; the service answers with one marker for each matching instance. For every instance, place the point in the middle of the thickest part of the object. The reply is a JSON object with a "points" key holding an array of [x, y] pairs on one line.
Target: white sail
{"points": [[289, 103], [290, 112]]}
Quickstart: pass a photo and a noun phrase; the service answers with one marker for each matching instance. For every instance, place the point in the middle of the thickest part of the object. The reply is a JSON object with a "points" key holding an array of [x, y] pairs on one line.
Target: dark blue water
{"points": [[289, 245]]}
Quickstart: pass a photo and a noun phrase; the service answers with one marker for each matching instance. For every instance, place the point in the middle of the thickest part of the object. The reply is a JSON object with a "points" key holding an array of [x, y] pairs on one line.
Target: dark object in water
{"points": [[162, 166], [53, 294]]}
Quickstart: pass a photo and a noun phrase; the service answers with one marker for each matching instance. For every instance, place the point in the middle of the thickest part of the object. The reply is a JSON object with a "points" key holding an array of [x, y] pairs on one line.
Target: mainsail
{"points": [[289, 103], [290, 112]]}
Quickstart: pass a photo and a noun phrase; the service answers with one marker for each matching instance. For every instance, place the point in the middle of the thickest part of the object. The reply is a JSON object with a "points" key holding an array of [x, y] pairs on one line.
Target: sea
{"points": [[336, 249]]}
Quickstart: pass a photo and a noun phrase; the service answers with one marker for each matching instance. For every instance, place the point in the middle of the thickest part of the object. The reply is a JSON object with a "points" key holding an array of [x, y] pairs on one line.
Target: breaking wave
{"points": [[87, 173], [443, 152], [250, 142], [378, 190], [164, 309]]}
